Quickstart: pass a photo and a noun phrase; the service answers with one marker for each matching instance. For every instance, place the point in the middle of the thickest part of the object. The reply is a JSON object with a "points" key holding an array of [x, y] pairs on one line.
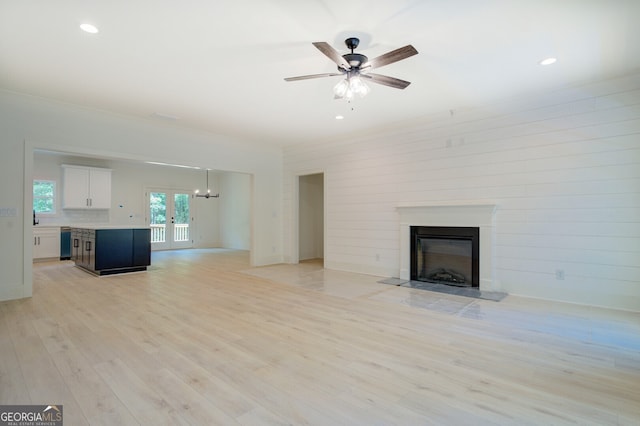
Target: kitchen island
{"points": [[111, 250]]}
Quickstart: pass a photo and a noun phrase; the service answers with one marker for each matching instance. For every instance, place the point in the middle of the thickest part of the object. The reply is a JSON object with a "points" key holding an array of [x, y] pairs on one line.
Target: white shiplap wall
{"points": [[563, 168]]}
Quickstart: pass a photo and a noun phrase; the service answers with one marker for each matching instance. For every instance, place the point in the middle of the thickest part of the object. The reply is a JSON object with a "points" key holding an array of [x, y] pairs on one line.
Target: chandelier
{"points": [[208, 193]]}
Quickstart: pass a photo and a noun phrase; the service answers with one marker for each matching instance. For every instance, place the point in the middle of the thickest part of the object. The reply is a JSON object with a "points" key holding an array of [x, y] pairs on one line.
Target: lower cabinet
{"points": [[111, 251], [46, 243], [141, 247]]}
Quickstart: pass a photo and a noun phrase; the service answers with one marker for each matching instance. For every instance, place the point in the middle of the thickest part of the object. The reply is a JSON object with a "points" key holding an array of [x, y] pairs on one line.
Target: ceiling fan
{"points": [[356, 66]]}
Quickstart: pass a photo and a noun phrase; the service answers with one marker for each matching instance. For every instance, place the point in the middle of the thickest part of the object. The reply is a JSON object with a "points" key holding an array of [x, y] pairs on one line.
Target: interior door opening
{"points": [[229, 226], [311, 217]]}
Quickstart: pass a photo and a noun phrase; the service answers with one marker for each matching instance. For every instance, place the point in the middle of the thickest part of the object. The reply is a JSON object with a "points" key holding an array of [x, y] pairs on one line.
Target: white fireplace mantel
{"points": [[479, 213]]}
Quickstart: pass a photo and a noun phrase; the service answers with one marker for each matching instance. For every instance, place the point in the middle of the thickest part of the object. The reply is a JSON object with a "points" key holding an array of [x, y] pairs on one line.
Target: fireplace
{"points": [[445, 255], [478, 214]]}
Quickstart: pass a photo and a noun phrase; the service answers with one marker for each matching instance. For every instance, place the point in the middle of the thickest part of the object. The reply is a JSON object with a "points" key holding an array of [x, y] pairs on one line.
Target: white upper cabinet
{"points": [[100, 188], [86, 187]]}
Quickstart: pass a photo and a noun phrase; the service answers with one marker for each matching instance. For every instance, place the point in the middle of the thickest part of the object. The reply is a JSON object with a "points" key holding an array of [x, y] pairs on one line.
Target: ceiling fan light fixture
{"points": [[340, 89], [358, 86], [349, 87], [352, 64]]}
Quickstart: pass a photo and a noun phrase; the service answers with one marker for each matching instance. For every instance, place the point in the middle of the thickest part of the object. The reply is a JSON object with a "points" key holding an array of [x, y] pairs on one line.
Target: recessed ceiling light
{"points": [[339, 117], [548, 61], [89, 28]]}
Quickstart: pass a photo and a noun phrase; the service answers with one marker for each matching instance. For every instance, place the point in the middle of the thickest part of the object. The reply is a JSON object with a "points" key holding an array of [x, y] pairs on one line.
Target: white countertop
{"points": [[109, 227], [92, 226]]}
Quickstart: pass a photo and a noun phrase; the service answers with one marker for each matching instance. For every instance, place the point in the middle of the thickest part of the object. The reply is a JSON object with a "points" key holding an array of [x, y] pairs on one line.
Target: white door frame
{"points": [[295, 213], [169, 244]]}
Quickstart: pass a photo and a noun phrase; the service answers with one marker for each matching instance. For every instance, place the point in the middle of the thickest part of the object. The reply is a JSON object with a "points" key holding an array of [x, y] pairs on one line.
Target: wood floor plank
{"points": [[95, 398], [202, 338], [145, 404], [42, 379], [226, 397], [13, 389]]}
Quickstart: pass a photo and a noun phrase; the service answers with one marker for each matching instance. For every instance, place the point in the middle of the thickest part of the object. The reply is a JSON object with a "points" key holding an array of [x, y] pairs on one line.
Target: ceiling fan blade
{"points": [[332, 54], [307, 77], [396, 83], [391, 57]]}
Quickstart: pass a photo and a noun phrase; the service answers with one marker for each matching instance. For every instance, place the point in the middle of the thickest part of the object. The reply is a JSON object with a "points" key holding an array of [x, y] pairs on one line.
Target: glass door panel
{"points": [[181, 219], [158, 219]]}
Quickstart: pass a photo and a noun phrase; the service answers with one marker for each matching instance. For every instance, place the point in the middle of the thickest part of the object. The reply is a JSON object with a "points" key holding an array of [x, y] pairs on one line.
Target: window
{"points": [[44, 196]]}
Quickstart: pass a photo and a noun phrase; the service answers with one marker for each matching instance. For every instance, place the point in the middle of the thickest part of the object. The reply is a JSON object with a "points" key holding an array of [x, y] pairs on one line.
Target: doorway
{"points": [[170, 219], [311, 217]]}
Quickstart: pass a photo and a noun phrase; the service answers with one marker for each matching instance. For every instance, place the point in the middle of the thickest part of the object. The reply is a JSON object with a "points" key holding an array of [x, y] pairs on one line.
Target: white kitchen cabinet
{"points": [[86, 188], [46, 243]]}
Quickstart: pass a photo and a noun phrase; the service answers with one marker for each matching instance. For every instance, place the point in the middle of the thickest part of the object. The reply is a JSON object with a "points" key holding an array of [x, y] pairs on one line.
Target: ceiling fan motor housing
{"points": [[352, 43], [356, 60]]}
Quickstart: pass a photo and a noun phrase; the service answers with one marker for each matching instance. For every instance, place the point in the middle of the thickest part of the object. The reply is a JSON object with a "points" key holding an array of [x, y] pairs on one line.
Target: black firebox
{"points": [[446, 255]]}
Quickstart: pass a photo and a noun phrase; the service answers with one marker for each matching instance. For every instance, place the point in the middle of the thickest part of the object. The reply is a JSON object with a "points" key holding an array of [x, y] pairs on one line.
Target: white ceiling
{"points": [[219, 65]]}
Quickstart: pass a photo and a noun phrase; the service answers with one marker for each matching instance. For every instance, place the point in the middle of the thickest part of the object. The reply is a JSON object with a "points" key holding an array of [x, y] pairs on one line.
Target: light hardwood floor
{"points": [[203, 339]]}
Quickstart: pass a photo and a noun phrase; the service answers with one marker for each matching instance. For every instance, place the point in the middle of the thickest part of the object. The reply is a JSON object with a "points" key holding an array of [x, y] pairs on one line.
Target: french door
{"points": [[170, 219]]}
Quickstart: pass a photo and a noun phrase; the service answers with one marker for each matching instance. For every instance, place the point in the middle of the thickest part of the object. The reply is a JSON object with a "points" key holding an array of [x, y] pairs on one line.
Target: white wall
{"points": [[235, 222], [30, 123], [563, 168], [208, 213], [12, 236]]}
